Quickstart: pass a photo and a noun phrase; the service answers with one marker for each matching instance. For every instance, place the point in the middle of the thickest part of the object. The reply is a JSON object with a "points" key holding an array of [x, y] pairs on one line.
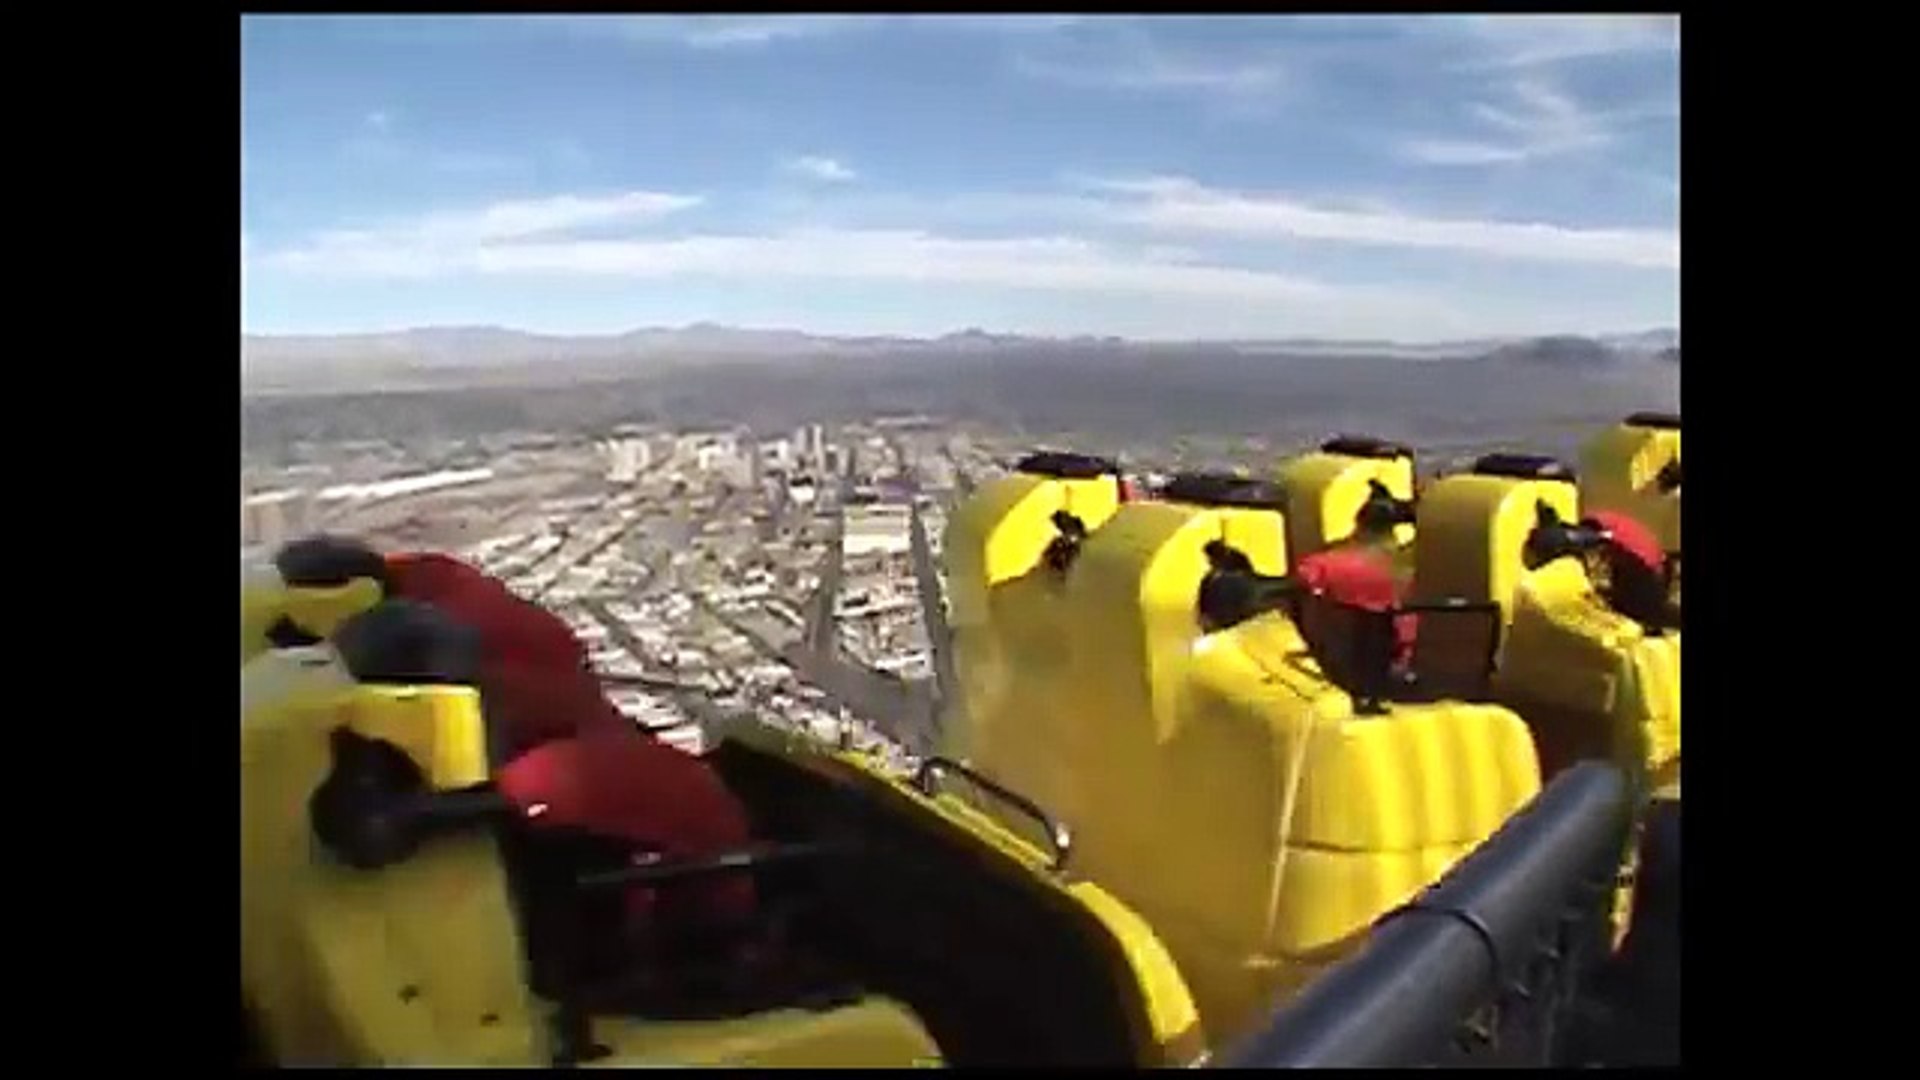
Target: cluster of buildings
{"points": [[711, 574]]}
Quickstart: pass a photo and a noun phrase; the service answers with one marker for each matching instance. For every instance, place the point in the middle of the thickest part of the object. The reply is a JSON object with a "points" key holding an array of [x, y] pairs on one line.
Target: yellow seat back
{"points": [[1472, 529], [1620, 471], [1470, 545], [1023, 736], [1326, 488], [1591, 682], [997, 534], [1317, 821], [278, 770], [1229, 794], [1252, 514], [414, 964]]}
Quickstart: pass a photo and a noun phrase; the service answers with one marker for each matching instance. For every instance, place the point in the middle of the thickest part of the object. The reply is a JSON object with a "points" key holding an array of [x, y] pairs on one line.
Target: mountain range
{"points": [[447, 357]]}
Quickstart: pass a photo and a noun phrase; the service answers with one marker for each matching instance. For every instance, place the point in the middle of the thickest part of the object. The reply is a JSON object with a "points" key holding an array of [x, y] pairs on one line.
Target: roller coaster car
{"points": [[1326, 489], [1282, 815], [1633, 468], [397, 912]]}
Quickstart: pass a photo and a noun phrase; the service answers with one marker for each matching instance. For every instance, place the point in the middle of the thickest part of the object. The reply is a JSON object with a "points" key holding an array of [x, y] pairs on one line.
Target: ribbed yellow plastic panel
{"points": [[1619, 470], [1316, 821], [1325, 492], [1424, 776]]}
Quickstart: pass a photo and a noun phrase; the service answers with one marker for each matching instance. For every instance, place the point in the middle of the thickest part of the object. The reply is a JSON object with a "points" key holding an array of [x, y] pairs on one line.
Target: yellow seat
{"points": [[1326, 488], [1626, 469], [1470, 540], [415, 964], [1201, 747], [1019, 957], [1252, 514], [421, 962], [998, 534], [1590, 682]]}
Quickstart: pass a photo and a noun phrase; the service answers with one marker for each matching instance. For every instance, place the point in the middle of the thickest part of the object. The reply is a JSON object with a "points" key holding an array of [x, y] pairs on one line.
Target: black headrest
{"points": [[1232, 592], [1522, 467], [407, 643], [323, 561], [1366, 446], [1224, 489], [1657, 420], [1066, 465], [1382, 510]]}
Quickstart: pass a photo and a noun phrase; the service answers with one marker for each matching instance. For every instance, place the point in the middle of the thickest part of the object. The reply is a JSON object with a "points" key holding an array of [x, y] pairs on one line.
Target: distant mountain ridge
{"points": [[453, 355]]}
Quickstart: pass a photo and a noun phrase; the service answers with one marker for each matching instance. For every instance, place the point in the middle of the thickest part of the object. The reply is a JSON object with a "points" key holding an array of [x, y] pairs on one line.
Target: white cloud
{"points": [[379, 122], [1461, 152], [1183, 206], [754, 31], [1125, 55], [1518, 41], [445, 242], [1541, 121], [719, 32], [1059, 263], [528, 238], [1151, 69], [823, 169]]}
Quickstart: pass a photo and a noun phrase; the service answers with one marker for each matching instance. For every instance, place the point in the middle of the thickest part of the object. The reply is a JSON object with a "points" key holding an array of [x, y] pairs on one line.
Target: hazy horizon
{"points": [[957, 331]]}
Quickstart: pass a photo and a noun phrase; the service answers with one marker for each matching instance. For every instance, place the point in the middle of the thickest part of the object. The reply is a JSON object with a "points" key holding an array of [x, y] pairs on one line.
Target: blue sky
{"points": [[1406, 177]]}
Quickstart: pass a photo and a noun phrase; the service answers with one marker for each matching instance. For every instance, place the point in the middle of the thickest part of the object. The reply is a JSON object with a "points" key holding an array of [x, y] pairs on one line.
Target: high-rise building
{"points": [[811, 440], [626, 459]]}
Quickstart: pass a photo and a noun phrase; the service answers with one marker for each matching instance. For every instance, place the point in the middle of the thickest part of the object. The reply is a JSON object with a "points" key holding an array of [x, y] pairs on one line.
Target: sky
{"points": [[1407, 177]]}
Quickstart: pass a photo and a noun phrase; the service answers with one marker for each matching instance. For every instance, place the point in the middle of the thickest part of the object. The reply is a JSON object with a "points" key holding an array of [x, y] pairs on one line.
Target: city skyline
{"points": [[1416, 178]]}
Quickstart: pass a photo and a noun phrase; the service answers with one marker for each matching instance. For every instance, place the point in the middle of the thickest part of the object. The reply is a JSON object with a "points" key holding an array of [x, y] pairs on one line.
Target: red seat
{"points": [[1354, 578], [514, 632], [629, 788]]}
